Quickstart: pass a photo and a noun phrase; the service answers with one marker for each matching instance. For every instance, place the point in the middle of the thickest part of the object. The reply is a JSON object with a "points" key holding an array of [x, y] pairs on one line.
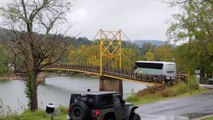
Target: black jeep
{"points": [[100, 106]]}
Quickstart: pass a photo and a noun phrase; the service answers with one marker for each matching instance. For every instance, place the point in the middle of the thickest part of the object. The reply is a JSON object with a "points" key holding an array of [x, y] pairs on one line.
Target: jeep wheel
{"points": [[79, 111], [136, 117]]}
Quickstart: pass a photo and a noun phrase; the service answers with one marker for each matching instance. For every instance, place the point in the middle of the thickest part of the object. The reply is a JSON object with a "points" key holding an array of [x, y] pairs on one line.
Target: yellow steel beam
{"points": [[110, 31], [115, 49], [106, 48], [110, 48]]}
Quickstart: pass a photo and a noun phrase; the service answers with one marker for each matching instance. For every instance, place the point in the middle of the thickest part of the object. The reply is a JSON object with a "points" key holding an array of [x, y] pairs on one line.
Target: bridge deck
{"points": [[120, 74]]}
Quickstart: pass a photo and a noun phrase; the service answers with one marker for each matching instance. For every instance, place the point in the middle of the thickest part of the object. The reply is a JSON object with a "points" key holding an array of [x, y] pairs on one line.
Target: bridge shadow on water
{"points": [[71, 84]]}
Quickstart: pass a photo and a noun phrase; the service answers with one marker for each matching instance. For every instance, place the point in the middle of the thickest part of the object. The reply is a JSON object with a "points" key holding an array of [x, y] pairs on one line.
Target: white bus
{"points": [[156, 68]]}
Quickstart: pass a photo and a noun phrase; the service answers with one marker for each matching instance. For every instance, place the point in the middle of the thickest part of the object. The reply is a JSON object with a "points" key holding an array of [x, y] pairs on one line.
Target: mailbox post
{"points": [[197, 73], [50, 108]]}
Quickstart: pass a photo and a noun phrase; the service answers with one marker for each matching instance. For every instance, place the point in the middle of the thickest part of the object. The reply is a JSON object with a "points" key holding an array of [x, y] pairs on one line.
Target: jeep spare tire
{"points": [[79, 111]]}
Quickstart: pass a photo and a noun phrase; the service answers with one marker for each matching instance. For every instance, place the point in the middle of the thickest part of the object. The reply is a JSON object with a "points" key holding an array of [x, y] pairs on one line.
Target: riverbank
{"points": [[47, 74], [12, 77], [162, 92]]}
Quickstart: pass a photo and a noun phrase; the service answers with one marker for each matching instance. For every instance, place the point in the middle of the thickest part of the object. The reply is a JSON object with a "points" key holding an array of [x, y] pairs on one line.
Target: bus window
{"points": [[149, 65]]}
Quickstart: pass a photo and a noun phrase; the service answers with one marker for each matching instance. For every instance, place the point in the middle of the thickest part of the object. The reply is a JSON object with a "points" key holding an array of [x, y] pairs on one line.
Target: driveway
{"points": [[179, 108]]}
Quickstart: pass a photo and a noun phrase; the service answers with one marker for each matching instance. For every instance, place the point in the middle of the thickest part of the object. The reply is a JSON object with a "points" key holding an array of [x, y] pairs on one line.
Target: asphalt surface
{"points": [[178, 109]]}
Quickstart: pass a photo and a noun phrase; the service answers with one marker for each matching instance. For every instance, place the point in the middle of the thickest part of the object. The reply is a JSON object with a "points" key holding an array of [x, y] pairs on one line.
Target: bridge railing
{"points": [[129, 74], [116, 72], [122, 73]]}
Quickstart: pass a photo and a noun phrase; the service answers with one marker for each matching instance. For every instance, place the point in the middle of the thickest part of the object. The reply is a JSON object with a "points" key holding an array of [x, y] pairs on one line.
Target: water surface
{"points": [[55, 89]]}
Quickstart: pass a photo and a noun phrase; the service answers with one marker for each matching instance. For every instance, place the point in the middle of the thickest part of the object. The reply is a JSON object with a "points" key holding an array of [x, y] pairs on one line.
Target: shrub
{"points": [[180, 88], [61, 110], [132, 98], [183, 87], [151, 90], [192, 84], [167, 93]]}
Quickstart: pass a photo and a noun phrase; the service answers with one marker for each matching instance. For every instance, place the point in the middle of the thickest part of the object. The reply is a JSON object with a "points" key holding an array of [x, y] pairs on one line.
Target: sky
{"points": [[138, 19]]}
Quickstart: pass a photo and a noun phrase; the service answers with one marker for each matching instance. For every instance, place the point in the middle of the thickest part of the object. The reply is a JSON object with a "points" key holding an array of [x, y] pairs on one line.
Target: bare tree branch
{"points": [[37, 49]]}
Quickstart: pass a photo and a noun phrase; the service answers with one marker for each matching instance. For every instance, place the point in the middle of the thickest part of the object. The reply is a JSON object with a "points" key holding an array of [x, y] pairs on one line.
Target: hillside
{"points": [[140, 43], [5, 35]]}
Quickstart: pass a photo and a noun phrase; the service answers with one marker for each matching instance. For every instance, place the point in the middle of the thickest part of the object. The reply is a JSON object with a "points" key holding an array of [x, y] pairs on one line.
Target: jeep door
{"points": [[118, 107]]}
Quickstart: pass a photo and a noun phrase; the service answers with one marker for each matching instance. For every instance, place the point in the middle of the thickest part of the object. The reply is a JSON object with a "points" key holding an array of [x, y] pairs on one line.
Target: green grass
{"points": [[162, 92], [60, 114], [209, 118]]}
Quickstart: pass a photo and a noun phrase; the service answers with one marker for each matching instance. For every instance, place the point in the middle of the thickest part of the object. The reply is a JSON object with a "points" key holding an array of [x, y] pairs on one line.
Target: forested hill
{"points": [[5, 35], [140, 43]]}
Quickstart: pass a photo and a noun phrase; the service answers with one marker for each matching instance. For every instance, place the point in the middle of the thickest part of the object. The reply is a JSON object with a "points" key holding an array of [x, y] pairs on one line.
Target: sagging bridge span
{"points": [[109, 52], [110, 79]]}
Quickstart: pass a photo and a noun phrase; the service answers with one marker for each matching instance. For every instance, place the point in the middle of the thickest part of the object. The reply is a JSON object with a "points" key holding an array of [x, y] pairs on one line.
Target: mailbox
{"points": [[50, 108]]}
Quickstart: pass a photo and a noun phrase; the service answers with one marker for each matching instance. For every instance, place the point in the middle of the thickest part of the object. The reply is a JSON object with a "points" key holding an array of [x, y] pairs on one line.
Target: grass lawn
{"points": [[60, 114], [33, 117], [61, 117], [209, 118]]}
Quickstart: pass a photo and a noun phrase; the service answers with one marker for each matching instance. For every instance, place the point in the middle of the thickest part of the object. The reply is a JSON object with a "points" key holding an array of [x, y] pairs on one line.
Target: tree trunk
{"points": [[32, 91], [34, 100]]}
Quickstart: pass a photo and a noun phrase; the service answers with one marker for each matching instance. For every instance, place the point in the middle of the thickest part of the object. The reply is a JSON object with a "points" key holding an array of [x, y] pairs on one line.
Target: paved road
{"points": [[178, 109]]}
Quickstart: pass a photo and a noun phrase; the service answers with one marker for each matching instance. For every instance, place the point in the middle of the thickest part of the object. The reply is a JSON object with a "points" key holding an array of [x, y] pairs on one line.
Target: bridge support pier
{"points": [[110, 84]]}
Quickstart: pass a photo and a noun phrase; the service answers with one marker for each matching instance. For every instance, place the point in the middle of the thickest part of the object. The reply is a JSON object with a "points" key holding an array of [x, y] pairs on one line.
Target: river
{"points": [[55, 89]]}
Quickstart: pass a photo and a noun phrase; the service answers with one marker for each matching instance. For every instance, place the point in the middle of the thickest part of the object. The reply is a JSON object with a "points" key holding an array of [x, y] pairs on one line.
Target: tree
{"points": [[3, 59], [186, 58], [164, 53], [194, 25], [33, 44], [147, 46], [149, 56]]}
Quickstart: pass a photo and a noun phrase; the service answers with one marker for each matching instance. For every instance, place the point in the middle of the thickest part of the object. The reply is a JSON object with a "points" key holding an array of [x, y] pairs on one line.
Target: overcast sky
{"points": [[139, 19]]}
